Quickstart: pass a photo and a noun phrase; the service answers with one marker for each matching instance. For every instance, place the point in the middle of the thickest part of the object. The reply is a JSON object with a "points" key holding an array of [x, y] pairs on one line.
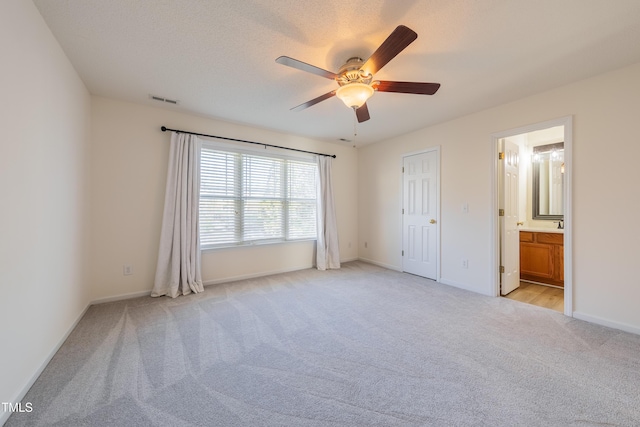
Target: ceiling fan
{"points": [[355, 77]]}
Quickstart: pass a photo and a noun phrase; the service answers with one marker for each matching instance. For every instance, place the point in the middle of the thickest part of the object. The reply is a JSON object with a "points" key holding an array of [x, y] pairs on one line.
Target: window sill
{"points": [[255, 244]]}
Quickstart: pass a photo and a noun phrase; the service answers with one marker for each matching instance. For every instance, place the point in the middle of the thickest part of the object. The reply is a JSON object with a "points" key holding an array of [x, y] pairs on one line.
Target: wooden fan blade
{"points": [[400, 38], [294, 63], [314, 101], [362, 113], [407, 87]]}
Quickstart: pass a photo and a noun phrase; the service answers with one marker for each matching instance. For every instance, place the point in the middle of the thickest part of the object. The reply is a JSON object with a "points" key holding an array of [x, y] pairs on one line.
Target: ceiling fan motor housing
{"points": [[351, 72]]}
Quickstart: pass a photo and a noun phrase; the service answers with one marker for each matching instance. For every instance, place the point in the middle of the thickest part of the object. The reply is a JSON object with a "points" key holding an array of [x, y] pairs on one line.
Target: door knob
{"points": [[433, 221]]}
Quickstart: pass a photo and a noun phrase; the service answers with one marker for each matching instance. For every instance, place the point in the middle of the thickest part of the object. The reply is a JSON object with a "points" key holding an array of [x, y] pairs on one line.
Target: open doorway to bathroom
{"points": [[533, 211]]}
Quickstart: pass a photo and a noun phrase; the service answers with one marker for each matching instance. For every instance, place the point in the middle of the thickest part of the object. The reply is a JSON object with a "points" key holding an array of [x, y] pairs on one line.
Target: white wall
{"points": [[44, 117], [129, 162], [605, 196]]}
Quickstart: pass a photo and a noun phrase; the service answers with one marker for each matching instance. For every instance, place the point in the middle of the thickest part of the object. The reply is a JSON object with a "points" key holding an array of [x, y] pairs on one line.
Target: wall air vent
{"points": [[161, 99]]}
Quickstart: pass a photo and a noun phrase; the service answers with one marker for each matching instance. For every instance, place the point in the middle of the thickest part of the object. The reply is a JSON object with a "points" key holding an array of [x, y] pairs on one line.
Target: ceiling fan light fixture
{"points": [[354, 95]]}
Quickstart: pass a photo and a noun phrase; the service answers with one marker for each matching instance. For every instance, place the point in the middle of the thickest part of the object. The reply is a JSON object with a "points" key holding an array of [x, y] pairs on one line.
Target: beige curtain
{"points": [[178, 270], [327, 250]]}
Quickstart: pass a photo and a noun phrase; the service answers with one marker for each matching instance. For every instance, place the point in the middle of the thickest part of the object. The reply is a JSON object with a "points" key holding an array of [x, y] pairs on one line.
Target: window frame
{"points": [[240, 200]]}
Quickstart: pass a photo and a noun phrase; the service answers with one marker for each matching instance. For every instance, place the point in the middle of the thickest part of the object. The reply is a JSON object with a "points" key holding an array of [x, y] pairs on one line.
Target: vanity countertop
{"points": [[543, 230]]}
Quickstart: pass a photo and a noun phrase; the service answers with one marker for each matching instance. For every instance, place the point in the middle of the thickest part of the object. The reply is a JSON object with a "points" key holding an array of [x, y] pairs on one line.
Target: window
{"points": [[247, 198]]}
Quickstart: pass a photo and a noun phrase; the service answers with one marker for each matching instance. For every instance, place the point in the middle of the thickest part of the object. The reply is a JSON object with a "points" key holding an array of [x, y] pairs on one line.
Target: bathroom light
{"points": [[354, 95]]}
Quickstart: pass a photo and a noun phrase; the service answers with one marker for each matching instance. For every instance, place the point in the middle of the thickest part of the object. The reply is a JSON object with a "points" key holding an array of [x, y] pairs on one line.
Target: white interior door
{"points": [[420, 214], [510, 245]]}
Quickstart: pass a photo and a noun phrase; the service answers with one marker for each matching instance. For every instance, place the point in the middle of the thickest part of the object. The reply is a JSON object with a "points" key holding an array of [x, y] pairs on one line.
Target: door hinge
{"points": [[402, 211], [502, 269], [402, 253], [500, 212], [403, 169], [501, 156]]}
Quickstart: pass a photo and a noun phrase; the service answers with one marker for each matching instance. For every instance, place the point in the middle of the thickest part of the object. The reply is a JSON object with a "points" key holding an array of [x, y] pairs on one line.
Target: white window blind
{"points": [[248, 198]]}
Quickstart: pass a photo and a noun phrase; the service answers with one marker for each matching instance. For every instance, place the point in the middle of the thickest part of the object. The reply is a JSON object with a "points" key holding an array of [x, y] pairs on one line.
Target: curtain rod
{"points": [[164, 129]]}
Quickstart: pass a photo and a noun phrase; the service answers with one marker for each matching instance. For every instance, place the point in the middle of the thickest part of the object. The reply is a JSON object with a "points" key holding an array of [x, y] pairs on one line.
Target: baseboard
{"points": [[255, 275], [121, 297], [381, 264], [265, 273], [210, 282], [4, 416], [606, 322], [464, 286]]}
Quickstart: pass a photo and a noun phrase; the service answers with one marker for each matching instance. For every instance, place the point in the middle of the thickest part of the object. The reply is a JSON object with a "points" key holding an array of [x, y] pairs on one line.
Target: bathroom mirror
{"points": [[548, 182]]}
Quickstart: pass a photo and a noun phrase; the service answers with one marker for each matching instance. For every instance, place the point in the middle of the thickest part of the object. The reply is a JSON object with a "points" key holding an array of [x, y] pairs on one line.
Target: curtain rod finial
{"points": [[164, 129]]}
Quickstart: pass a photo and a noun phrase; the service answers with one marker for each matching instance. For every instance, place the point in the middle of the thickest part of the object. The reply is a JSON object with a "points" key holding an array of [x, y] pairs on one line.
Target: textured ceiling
{"points": [[218, 57]]}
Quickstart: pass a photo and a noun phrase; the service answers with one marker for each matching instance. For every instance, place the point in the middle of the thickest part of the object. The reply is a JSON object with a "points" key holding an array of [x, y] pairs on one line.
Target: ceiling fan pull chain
{"points": [[355, 123]]}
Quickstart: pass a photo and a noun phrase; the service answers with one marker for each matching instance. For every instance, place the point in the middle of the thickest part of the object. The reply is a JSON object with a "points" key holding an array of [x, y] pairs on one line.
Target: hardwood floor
{"points": [[540, 295]]}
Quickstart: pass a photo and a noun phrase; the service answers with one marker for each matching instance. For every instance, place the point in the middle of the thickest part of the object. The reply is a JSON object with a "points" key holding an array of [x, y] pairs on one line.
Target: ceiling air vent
{"points": [[161, 99]]}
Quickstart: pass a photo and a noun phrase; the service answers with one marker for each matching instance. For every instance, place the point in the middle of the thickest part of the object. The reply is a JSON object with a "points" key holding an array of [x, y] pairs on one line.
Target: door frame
{"points": [[567, 122], [435, 148]]}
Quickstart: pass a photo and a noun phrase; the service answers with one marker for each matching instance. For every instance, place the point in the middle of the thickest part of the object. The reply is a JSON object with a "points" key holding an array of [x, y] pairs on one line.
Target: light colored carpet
{"points": [[360, 346]]}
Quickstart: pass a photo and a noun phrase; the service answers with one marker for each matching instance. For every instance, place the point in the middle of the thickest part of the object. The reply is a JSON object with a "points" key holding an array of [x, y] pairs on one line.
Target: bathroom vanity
{"points": [[542, 256]]}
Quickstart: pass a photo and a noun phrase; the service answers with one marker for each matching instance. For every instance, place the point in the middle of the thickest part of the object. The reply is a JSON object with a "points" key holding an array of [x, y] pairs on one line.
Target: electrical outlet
{"points": [[127, 270], [465, 263]]}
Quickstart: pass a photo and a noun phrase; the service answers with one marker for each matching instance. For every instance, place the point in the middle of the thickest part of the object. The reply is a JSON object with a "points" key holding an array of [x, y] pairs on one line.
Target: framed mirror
{"points": [[548, 182]]}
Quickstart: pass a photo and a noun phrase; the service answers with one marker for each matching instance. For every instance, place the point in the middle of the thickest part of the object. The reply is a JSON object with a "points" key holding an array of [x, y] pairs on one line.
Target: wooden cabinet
{"points": [[542, 257]]}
